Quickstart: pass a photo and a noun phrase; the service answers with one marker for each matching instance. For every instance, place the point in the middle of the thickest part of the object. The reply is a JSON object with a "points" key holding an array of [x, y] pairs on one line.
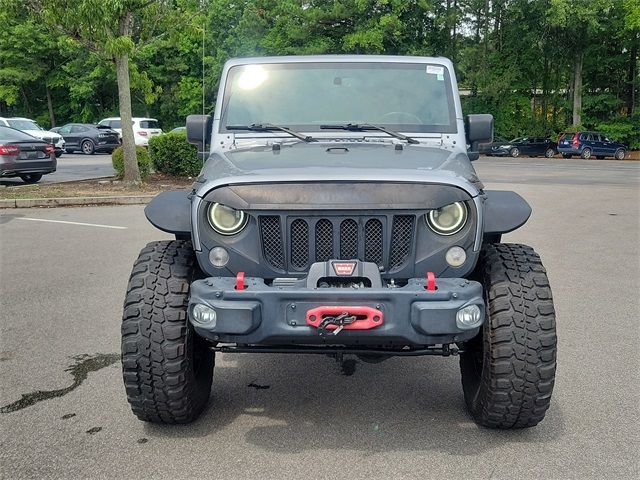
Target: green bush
{"points": [[144, 161], [171, 154]]}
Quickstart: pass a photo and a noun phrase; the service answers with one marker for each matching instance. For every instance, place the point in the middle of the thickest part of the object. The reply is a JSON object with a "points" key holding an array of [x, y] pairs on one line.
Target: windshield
{"points": [[406, 97], [23, 124]]}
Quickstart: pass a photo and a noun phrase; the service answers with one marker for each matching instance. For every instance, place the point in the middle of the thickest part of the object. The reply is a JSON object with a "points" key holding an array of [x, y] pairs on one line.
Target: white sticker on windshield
{"points": [[435, 70]]}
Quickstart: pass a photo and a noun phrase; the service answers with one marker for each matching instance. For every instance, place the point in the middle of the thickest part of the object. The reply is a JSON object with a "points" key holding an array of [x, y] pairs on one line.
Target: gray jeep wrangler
{"points": [[338, 213]]}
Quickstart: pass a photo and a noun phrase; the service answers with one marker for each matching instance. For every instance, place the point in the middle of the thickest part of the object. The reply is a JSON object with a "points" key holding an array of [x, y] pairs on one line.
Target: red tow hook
{"points": [[431, 282], [240, 281]]}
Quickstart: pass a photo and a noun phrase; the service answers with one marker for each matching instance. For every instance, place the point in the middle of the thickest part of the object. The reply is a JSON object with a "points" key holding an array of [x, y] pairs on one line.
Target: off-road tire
{"points": [[167, 368], [508, 370]]}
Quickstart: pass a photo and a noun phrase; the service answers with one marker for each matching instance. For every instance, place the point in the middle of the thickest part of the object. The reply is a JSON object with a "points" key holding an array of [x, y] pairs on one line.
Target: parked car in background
{"points": [[179, 130], [30, 127], [485, 148], [24, 156], [89, 138], [143, 128], [588, 144], [529, 146]]}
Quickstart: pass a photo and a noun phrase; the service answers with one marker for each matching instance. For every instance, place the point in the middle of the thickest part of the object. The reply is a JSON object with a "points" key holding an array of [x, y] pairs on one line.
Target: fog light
{"points": [[218, 257], [469, 317], [204, 315], [456, 256]]}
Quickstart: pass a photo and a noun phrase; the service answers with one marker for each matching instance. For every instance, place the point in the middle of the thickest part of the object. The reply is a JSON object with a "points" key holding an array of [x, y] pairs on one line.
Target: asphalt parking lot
{"points": [[73, 167], [64, 413]]}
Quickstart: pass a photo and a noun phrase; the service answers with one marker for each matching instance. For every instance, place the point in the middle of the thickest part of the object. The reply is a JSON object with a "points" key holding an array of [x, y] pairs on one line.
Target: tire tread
{"points": [[157, 339], [519, 341]]}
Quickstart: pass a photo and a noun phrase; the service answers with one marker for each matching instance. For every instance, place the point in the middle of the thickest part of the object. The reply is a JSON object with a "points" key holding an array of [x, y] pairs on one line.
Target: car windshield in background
{"points": [[404, 97], [23, 124], [149, 124], [9, 134]]}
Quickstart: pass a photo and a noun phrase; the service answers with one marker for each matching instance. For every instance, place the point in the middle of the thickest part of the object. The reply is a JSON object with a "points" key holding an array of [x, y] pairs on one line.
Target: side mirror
{"points": [[479, 129], [199, 129]]}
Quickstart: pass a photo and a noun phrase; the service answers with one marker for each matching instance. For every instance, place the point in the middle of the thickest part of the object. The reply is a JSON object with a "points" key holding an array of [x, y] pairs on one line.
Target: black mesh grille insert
{"points": [[401, 239], [324, 240], [299, 243], [348, 239], [271, 236], [373, 241]]}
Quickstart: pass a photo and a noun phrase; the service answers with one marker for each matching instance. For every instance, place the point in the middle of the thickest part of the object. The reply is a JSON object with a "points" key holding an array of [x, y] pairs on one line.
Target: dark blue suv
{"points": [[588, 144]]}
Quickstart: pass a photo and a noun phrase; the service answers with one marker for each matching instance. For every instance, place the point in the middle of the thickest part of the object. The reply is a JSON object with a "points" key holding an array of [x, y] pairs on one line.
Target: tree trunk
{"points": [[633, 78], [52, 117], [577, 89], [131, 171]]}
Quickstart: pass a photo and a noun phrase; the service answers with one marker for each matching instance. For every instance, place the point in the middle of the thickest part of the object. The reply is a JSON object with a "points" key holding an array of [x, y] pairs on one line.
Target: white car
{"points": [[143, 128], [30, 127]]}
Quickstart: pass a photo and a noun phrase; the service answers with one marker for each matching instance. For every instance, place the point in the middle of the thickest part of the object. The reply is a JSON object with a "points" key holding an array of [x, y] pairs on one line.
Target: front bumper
{"points": [[499, 152], [266, 315]]}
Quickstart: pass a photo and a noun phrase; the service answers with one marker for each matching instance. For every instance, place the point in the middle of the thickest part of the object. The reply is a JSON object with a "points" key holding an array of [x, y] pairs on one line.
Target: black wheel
{"points": [[586, 153], [514, 152], [167, 368], [566, 155], [620, 153], [31, 177], [58, 154], [550, 152], [508, 370], [88, 147]]}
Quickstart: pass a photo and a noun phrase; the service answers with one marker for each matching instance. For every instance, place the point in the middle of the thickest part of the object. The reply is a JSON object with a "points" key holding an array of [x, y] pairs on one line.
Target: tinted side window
{"points": [[78, 129], [65, 129], [115, 124], [583, 136]]}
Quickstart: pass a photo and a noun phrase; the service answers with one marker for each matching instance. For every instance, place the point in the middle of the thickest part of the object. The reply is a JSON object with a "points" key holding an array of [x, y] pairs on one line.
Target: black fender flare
{"points": [[171, 212], [504, 211]]}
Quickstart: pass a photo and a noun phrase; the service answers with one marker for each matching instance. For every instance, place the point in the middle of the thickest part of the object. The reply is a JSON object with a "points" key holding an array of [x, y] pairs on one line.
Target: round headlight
{"points": [[226, 220], [447, 220]]}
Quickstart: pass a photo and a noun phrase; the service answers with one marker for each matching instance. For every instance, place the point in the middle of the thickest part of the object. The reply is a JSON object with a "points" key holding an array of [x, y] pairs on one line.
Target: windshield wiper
{"points": [[361, 127], [268, 127]]}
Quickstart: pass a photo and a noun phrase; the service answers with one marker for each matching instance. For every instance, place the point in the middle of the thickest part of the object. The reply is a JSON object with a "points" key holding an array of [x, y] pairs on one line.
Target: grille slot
{"points": [[401, 240], [373, 241], [324, 240], [299, 243], [272, 246], [348, 239]]}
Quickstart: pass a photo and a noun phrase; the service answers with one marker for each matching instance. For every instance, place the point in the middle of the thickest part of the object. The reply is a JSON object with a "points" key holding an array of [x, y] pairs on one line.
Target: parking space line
{"points": [[72, 223]]}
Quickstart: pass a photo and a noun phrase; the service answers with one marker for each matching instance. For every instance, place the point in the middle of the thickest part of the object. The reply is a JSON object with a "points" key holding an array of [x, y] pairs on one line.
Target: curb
{"points": [[75, 201]]}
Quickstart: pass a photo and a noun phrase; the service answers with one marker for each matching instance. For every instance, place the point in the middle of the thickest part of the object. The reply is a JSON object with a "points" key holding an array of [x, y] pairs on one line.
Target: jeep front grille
{"points": [[386, 240]]}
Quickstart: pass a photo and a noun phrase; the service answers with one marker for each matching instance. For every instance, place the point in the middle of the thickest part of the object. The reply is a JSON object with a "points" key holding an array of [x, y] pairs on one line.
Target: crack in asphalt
{"points": [[84, 364]]}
